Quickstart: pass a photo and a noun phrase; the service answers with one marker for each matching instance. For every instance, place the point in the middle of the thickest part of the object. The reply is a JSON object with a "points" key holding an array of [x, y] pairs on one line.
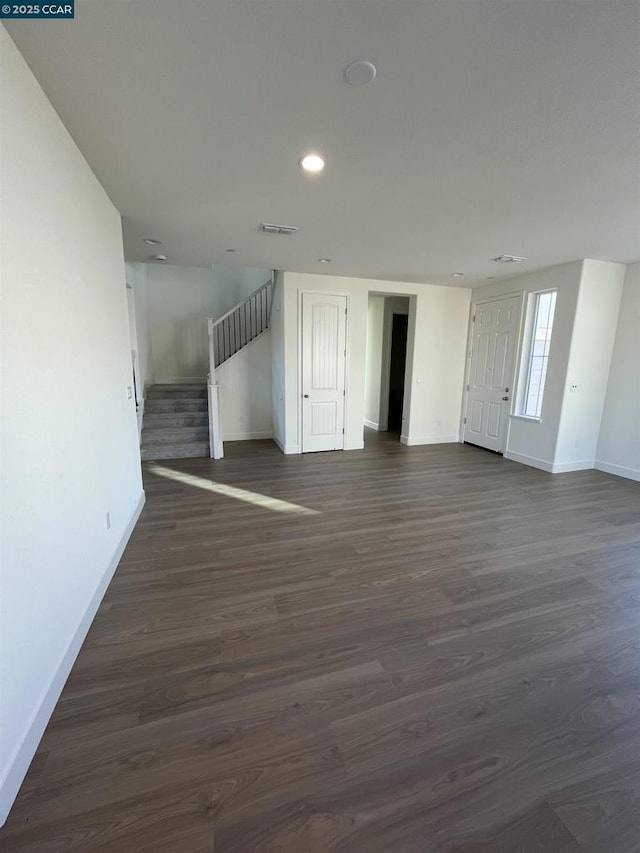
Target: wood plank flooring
{"points": [[442, 657]]}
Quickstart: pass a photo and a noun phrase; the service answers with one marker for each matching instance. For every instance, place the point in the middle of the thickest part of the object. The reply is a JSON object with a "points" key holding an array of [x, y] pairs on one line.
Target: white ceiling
{"points": [[493, 126]]}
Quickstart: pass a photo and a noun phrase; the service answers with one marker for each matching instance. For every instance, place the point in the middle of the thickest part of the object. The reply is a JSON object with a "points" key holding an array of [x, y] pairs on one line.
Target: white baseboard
{"points": [[286, 449], [618, 470], [566, 467], [23, 753], [247, 436], [532, 461], [354, 445], [412, 441], [372, 425]]}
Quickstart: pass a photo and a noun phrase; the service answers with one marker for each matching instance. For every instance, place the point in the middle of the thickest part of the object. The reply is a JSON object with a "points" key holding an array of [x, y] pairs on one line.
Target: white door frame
{"points": [[516, 363], [347, 347]]}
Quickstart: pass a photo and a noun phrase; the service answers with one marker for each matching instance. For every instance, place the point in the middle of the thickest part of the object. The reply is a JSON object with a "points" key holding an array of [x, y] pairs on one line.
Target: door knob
{"points": [[505, 398], [305, 395]]}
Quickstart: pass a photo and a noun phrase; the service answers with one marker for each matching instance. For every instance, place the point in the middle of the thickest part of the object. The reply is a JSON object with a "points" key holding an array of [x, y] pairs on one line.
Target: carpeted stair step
{"points": [[176, 392], [172, 435], [176, 419], [175, 423], [160, 405], [176, 451]]}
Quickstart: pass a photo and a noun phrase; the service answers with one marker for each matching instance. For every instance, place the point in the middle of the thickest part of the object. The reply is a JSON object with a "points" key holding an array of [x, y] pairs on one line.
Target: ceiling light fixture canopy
{"points": [[312, 163], [360, 73]]}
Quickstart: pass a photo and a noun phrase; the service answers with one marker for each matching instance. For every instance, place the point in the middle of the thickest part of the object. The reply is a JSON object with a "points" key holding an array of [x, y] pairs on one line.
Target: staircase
{"points": [[176, 422], [228, 335]]}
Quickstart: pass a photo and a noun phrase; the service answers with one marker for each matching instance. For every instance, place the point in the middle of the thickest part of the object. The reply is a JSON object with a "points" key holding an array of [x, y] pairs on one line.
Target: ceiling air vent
{"points": [[508, 259], [270, 228]]}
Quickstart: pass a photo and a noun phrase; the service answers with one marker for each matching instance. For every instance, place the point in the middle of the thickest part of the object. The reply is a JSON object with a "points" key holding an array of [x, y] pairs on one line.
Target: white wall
{"points": [[69, 448], [137, 280], [245, 392], [619, 441], [139, 334], [529, 441], [594, 330], [434, 372], [438, 358], [588, 296], [280, 343], [233, 284], [373, 361], [179, 299]]}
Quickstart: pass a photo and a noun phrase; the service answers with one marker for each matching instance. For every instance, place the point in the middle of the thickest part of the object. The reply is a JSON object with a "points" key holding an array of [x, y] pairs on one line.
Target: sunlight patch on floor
{"points": [[227, 491]]}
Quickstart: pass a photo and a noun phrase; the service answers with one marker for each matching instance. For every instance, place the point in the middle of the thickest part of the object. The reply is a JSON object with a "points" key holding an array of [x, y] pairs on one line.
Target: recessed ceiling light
{"points": [[229, 250], [161, 258], [360, 73], [324, 260], [151, 242], [457, 274], [312, 163]]}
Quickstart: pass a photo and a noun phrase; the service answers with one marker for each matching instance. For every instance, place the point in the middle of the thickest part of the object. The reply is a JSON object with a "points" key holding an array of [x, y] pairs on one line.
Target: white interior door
{"points": [[492, 372], [323, 366]]}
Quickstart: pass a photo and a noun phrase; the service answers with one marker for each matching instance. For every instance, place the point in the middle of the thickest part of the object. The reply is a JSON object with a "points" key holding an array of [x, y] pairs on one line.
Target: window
{"points": [[544, 308]]}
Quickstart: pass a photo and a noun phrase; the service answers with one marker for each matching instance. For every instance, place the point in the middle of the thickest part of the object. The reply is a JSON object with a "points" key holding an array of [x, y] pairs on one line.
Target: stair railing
{"points": [[228, 335]]}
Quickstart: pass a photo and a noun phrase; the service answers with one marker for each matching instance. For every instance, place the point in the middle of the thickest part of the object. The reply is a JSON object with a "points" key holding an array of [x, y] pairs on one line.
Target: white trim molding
{"points": [[26, 749], [372, 424], [617, 470], [287, 449], [531, 461], [567, 467]]}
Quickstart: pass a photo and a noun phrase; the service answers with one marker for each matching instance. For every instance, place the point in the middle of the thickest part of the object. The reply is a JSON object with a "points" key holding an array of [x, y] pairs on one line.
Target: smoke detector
{"points": [[508, 259], [271, 228]]}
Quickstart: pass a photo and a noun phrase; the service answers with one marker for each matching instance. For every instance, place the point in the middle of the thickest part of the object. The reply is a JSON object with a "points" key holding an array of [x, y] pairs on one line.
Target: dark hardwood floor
{"points": [[441, 654]]}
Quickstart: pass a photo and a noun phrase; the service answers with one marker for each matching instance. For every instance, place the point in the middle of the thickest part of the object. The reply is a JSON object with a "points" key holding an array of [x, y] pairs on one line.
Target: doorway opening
{"points": [[386, 364], [397, 367]]}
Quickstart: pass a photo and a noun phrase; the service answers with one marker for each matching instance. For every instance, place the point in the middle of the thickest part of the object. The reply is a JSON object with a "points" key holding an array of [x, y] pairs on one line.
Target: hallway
{"points": [[400, 649]]}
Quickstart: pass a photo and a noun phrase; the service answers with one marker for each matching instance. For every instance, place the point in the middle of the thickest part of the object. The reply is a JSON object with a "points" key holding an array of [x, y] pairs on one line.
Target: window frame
{"points": [[526, 362]]}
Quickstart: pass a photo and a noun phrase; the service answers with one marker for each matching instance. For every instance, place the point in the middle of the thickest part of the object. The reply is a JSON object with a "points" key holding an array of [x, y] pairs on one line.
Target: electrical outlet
{"points": [[575, 388], [108, 520]]}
